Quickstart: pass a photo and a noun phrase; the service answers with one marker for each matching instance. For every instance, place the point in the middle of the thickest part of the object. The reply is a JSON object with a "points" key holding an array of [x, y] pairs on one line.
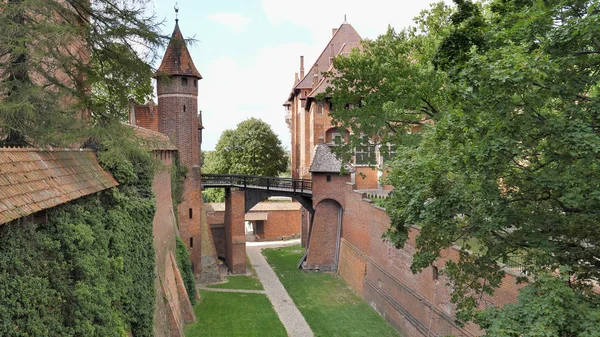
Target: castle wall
{"points": [[173, 309], [415, 304]]}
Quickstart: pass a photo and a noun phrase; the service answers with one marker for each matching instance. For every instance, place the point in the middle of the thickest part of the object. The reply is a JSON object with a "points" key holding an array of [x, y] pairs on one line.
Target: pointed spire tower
{"points": [[177, 89]]}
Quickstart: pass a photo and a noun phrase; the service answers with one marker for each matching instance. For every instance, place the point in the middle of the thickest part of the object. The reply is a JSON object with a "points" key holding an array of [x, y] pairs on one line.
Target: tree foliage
{"points": [[88, 271], [505, 95], [67, 68], [251, 148]]}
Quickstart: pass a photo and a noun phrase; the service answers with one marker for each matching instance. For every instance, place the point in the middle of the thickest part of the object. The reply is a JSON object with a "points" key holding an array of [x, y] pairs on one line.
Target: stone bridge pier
{"points": [[235, 235]]}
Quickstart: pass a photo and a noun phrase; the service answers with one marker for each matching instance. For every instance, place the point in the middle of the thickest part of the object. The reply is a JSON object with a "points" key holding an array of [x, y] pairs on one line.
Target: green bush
{"points": [[89, 270]]}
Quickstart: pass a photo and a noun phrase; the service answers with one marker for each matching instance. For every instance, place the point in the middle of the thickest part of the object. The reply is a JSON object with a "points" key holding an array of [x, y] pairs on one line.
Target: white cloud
{"points": [[370, 19], [229, 94], [232, 92], [234, 21]]}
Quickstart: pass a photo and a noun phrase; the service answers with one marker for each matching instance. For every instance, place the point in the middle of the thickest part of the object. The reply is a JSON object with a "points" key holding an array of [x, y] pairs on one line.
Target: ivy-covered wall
{"points": [[89, 270]]}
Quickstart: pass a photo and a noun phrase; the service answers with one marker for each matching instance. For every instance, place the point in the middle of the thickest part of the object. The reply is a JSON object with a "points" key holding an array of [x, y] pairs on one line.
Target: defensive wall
{"points": [[415, 304], [173, 308]]}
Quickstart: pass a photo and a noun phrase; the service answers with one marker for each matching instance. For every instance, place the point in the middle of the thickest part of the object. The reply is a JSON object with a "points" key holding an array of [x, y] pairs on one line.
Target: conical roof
{"points": [[177, 59]]}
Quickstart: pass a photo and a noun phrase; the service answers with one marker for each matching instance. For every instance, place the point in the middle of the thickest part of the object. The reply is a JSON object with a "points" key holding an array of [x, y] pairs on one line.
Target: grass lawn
{"points": [[234, 314], [248, 282], [326, 301]]}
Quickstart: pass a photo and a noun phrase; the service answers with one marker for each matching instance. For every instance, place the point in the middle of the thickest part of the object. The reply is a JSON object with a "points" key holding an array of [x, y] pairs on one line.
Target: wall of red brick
{"points": [[281, 224], [173, 308], [366, 178], [146, 116], [235, 230], [324, 236], [415, 304]]}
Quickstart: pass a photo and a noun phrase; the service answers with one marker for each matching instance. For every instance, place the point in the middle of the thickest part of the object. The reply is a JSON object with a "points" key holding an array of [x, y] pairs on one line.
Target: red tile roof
{"points": [[346, 35], [32, 180], [177, 59], [152, 140]]}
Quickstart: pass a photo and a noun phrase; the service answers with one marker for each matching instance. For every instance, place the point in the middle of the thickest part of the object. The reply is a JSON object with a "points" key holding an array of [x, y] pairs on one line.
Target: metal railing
{"points": [[302, 186]]}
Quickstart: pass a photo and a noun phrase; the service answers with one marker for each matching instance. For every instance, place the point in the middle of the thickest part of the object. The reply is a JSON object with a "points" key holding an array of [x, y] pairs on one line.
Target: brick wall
{"points": [[146, 116], [281, 223], [323, 245], [416, 305], [283, 219], [235, 230], [171, 311], [366, 178]]}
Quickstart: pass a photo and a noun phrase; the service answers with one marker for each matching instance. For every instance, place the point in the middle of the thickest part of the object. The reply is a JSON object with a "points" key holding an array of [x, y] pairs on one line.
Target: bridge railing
{"points": [[268, 183]]}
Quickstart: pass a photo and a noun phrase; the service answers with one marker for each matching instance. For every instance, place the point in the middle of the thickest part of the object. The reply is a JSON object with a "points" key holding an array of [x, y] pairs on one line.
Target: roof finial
{"points": [[176, 12], [345, 19]]}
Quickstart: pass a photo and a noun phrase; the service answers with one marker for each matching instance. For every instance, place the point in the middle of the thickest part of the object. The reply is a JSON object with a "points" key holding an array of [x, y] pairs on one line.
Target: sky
{"points": [[248, 50]]}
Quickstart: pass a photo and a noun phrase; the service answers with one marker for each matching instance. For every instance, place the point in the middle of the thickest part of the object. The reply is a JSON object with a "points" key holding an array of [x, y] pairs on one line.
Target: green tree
{"points": [[67, 68], [509, 159], [251, 148]]}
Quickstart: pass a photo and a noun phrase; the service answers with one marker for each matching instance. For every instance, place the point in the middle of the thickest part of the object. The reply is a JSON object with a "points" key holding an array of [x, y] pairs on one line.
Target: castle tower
{"points": [[177, 87]]}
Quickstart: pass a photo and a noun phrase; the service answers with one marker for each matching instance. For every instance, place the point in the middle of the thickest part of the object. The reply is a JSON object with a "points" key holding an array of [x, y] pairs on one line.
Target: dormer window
{"points": [[184, 81]]}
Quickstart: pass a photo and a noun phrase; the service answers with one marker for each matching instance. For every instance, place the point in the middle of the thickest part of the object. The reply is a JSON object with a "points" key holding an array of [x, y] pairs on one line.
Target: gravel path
{"points": [[288, 313]]}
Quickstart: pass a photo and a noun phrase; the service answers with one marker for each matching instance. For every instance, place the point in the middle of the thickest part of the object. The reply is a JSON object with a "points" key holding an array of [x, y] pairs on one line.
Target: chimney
{"points": [[296, 80], [301, 67], [333, 31]]}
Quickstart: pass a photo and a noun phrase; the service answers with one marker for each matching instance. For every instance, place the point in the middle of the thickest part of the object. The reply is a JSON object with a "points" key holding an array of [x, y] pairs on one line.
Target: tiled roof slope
{"points": [[152, 140], [32, 179], [177, 59], [324, 83], [345, 35], [324, 161]]}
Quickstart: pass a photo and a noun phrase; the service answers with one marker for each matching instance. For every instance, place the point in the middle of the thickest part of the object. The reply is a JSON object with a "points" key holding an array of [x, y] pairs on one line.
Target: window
{"points": [[184, 81], [328, 177], [389, 153], [190, 213], [184, 108], [365, 153], [336, 138], [320, 107], [195, 83], [191, 242]]}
